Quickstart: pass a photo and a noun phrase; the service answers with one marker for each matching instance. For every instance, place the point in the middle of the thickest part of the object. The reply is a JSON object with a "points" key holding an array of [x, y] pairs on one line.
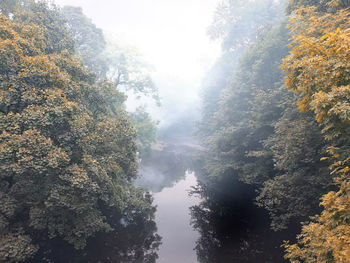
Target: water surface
{"points": [[173, 222]]}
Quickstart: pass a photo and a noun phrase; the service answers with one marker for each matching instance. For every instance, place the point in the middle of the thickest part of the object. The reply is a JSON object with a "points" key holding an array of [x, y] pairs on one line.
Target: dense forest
{"points": [[272, 160], [68, 147], [275, 117]]}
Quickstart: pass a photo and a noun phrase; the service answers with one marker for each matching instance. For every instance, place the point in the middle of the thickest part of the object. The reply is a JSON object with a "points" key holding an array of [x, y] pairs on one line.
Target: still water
{"points": [[173, 222], [219, 223]]}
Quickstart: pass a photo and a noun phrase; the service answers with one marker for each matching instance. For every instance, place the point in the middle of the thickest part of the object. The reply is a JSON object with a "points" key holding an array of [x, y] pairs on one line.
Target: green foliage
{"points": [[258, 136], [121, 64], [239, 135], [124, 65], [236, 22], [68, 152], [128, 70], [318, 72], [17, 247], [51, 23], [146, 130], [89, 40], [296, 147], [213, 84], [132, 239], [7, 7]]}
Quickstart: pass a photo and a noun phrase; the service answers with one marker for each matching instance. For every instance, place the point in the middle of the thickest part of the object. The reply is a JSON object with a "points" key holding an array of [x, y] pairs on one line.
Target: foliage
{"points": [[7, 7], [122, 64], [257, 135], [327, 237], [146, 130], [236, 22], [128, 70], [321, 43], [241, 128], [214, 82], [67, 148], [237, 25], [258, 120], [296, 146], [89, 40], [318, 71], [132, 239], [53, 25], [322, 5]]}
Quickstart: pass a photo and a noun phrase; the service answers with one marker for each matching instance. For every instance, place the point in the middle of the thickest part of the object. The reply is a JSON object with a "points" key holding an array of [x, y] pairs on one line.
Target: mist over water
{"points": [[174, 131]]}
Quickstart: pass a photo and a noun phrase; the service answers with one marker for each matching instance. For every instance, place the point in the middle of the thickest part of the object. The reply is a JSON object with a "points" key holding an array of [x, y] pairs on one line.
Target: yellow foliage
{"points": [[319, 61], [64, 145], [327, 237], [318, 71]]}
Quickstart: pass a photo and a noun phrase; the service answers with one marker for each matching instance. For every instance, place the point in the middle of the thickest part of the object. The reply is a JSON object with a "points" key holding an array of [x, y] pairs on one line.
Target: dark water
{"points": [[166, 174], [232, 228], [218, 222]]}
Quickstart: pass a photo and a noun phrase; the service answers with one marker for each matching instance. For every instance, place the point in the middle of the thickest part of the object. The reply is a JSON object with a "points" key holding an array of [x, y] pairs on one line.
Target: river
{"points": [[166, 174], [219, 223], [173, 221]]}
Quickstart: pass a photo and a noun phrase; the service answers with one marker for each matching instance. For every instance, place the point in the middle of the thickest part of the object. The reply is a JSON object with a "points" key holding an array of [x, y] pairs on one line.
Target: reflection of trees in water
{"points": [[232, 228], [163, 168], [133, 239]]}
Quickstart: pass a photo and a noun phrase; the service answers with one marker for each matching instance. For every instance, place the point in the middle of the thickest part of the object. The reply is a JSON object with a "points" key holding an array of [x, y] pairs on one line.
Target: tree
{"points": [[53, 25], [67, 147], [89, 40], [322, 5], [236, 22], [128, 69], [241, 123], [318, 71], [7, 7], [122, 64], [300, 177], [146, 130], [256, 134], [321, 42]]}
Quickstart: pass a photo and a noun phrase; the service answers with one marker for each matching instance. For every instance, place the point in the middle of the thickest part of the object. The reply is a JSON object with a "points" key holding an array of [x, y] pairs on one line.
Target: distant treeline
{"points": [[276, 115]]}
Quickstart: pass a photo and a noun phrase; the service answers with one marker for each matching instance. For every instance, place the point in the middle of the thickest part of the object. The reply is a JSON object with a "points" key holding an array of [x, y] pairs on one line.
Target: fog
{"points": [[193, 131], [172, 36]]}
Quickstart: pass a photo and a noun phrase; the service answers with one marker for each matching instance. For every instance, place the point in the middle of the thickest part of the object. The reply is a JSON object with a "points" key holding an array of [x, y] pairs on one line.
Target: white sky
{"points": [[171, 34]]}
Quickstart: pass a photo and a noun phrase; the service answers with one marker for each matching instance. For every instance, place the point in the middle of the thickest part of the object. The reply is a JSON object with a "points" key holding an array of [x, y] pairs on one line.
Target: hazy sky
{"points": [[170, 33]]}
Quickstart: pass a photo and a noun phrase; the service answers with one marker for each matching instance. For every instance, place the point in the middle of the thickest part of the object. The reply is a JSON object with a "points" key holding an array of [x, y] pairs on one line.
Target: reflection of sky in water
{"points": [[173, 222]]}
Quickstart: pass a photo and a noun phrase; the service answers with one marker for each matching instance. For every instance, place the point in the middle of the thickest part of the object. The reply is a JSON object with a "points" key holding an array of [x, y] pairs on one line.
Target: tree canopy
{"points": [[318, 71], [68, 149]]}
